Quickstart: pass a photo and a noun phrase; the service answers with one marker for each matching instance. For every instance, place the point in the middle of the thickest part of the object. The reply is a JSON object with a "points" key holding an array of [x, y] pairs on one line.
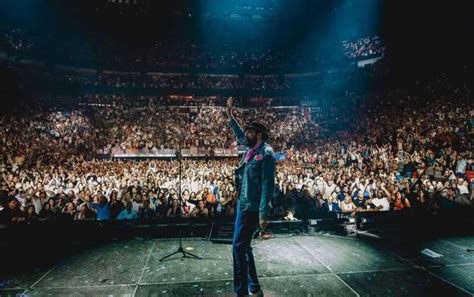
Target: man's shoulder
{"points": [[268, 150]]}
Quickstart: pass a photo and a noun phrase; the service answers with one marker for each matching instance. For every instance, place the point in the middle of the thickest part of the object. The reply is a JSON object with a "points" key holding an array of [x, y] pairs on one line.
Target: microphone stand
{"points": [[180, 250]]}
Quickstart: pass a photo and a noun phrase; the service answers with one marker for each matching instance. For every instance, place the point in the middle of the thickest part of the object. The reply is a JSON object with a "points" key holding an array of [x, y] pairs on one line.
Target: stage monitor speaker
{"points": [[221, 232]]}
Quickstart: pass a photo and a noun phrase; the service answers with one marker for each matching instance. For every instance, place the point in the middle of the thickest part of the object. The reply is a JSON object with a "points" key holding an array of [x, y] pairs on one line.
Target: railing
{"points": [[172, 153]]}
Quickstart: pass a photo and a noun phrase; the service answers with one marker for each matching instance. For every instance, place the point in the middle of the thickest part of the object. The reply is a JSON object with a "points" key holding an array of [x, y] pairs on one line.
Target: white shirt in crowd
{"points": [[461, 166], [37, 203], [463, 189], [347, 206], [329, 189], [381, 202]]}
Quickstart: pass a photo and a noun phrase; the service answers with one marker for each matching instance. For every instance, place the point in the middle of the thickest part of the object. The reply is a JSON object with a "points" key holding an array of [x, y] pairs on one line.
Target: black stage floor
{"points": [[302, 265]]}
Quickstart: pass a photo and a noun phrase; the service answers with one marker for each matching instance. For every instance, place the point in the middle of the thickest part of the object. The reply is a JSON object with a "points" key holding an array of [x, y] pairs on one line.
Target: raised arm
{"points": [[238, 132]]}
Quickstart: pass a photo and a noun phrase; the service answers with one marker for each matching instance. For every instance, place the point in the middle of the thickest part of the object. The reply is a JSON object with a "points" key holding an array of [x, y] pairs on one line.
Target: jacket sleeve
{"points": [[238, 132], [268, 183], [121, 215], [94, 205]]}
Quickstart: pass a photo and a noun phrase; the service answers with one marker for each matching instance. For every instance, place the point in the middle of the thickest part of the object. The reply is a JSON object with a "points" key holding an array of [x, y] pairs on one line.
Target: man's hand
{"points": [[230, 101], [263, 224]]}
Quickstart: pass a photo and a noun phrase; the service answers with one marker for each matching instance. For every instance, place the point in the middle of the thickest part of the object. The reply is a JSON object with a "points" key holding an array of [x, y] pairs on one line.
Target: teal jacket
{"points": [[255, 180]]}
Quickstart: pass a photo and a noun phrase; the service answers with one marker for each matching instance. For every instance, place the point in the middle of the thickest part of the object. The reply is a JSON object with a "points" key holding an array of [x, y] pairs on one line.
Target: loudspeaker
{"points": [[222, 232]]}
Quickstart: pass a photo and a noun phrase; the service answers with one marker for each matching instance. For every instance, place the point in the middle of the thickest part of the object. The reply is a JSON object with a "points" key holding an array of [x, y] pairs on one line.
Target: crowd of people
{"points": [[363, 47], [16, 42], [180, 81], [393, 152], [189, 53], [185, 54], [127, 127], [109, 190], [263, 84]]}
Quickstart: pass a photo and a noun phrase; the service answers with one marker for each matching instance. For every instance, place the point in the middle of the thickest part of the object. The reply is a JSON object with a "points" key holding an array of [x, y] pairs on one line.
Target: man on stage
{"points": [[255, 182]]}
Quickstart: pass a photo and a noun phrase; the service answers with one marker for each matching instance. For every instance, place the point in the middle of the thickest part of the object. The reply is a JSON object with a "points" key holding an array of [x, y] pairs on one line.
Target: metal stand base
{"points": [[181, 250], [185, 254]]}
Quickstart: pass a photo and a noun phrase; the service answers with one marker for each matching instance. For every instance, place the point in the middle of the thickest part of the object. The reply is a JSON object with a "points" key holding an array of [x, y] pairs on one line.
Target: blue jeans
{"points": [[245, 274]]}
